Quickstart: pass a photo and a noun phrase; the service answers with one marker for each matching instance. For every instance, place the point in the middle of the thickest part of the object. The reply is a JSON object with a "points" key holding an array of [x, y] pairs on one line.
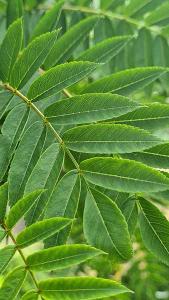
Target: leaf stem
{"points": [[44, 119]]}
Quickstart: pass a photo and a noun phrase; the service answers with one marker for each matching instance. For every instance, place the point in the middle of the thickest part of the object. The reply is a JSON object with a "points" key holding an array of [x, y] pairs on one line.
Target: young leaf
{"points": [[65, 46], [103, 216], [151, 117], [108, 138], [64, 205], [24, 160], [104, 51], [44, 176], [10, 48], [6, 255], [49, 21], [14, 10], [21, 208], [12, 283], [80, 288], [40, 231], [126, 82], [61, 257], [58, 78], [31, 59], [123, 175], [89, 108], [154, 229], [3, 201]]}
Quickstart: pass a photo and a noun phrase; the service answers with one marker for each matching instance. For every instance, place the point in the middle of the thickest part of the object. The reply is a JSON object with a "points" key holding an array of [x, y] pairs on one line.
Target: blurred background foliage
{"points": [[148, 22]]}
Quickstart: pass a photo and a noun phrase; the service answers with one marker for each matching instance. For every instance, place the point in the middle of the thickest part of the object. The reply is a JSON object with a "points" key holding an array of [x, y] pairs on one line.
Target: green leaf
{"points": [[61, 257], [79, 288], [125, 82], [158, 15], [14, 125], [63, 204], [40, 231], [31, 295], [2, 233], [154, 229], [6, 255], [151, 117], [156, 157], [130, 211], [133, 6], [104, 51], [44, 176], [89, 108], [28, 153], [108, 138], [3, 200], [12, 284], [14, 10], [49, 21], [58, 78], [10, 48], [67, 43], [123, 175], [101, 215], [21, 208], [31, 59], [5, 144]]}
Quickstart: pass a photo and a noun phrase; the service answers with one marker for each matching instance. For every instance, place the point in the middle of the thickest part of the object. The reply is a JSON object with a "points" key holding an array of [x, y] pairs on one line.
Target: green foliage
{"points": [[83, 148]]}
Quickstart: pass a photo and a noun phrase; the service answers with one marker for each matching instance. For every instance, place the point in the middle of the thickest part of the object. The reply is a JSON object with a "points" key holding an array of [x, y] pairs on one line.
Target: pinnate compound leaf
{"points": [[61, 257], [6, 255], [28, 152], [49, 21], [89, 108], [10, 48], [12, 283], [58, 78], [104, 217], [40, 231], [154, 229], [126, 82], [65, 46], [123, 175], [31, 59], [104, 51], [151, 117], [108, 138], [21, 208], [3, 201], [63, 204], [44, 176], [80, 288]]}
